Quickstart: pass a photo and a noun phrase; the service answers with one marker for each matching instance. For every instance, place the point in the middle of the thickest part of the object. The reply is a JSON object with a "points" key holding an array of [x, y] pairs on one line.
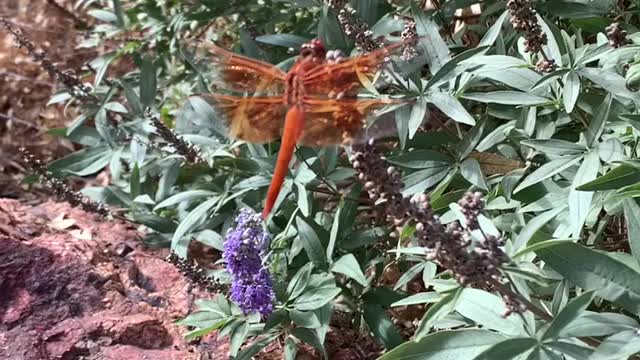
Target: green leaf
{"points": [[59, 98], [409, 275], [617, 178], [419, 298], [306, 319], [303, 199], [420, 159], [574, 309], [571, 91], [611, 150], [381, 325], [591, 270], [84, 162], [486, 309], [101, 64], [133, 100], [619, 346], [509, 182], [535, 224], [553, 45], [316, 298], [134, 183], [434, 313], [470, 170], [572, 9], [179, 241], [632, 216], [155, 222], [496, 136], [290, 349], [451, 107], [538, 245], [117, 9], [402, 116], [348, 265], [284, 40], [418, 113], [492, 33], [555, 146], [421, 180], [599, 120], [580, 201], [470, 140], [257, 345], [194, 334], [147, 83], [237, 337], [211, 238], [324, 315], [360, 238], [507, 97], [446, 345], [184, 197], [599, 324], [548, 170], [456, 66], [299, 281], [204, 319], [102, 126], [610, 81], [311, 243], [104, 15], [330, 31], [437, 50], [310, 337], [344, 219], [571, 349], [508, 349], [548, 78]]}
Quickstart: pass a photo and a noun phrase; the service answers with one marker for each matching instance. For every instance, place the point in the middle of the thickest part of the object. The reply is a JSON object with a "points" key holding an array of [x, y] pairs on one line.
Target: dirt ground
{"points": [[77, 287], [25, 87]]}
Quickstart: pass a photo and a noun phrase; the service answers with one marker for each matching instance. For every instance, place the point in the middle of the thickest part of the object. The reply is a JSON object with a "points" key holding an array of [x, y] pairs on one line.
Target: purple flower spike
{"points": [[244, 248]]}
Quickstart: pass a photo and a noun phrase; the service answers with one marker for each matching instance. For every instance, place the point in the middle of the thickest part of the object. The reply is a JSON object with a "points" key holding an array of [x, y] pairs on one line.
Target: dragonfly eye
{"points": [[314, 48], [305, 51]]}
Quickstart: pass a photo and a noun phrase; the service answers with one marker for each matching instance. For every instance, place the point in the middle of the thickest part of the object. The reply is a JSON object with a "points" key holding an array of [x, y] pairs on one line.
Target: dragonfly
{"points": [[315, 103]]}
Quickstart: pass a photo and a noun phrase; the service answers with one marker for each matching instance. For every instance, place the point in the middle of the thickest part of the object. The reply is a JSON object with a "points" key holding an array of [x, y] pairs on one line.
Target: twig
{"points": [[18, 120], [26, 78]]}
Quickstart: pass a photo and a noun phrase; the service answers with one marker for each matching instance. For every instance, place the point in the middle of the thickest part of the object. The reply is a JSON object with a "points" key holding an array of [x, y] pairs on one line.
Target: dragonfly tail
{"points": [[293, 125]]}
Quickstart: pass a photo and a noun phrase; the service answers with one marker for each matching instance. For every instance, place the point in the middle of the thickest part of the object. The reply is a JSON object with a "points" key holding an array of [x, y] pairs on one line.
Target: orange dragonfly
{"points": [[315, 103]]}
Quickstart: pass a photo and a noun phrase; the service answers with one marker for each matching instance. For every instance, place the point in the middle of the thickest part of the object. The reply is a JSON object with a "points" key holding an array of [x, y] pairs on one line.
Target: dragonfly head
{"points": [[314, 49]]}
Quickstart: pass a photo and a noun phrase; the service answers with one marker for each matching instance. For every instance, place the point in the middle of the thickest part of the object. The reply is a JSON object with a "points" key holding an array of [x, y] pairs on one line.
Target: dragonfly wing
{"points": [[242, 74], [253, 119], [345, 121], [348, 77]]}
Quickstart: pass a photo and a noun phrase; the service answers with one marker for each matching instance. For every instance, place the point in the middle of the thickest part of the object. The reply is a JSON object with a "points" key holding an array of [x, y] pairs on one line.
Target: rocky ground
{"points": [[77, 287]]}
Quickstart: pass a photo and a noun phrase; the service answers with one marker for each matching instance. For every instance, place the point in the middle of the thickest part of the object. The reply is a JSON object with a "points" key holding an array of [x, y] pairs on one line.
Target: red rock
{"points": [[63, 297]]}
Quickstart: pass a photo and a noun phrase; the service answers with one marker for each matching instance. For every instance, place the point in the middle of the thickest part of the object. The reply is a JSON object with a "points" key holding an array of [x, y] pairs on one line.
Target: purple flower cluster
{"points": [[244, 247]]}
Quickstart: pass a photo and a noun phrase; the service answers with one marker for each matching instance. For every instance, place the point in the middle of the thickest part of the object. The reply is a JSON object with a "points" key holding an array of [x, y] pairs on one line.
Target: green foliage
{"points": [[554, 153]]}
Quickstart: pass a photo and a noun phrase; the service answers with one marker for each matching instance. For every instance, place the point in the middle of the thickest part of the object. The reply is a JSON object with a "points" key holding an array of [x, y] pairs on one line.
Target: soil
{"points": [[78, 287], [25, 87]]}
